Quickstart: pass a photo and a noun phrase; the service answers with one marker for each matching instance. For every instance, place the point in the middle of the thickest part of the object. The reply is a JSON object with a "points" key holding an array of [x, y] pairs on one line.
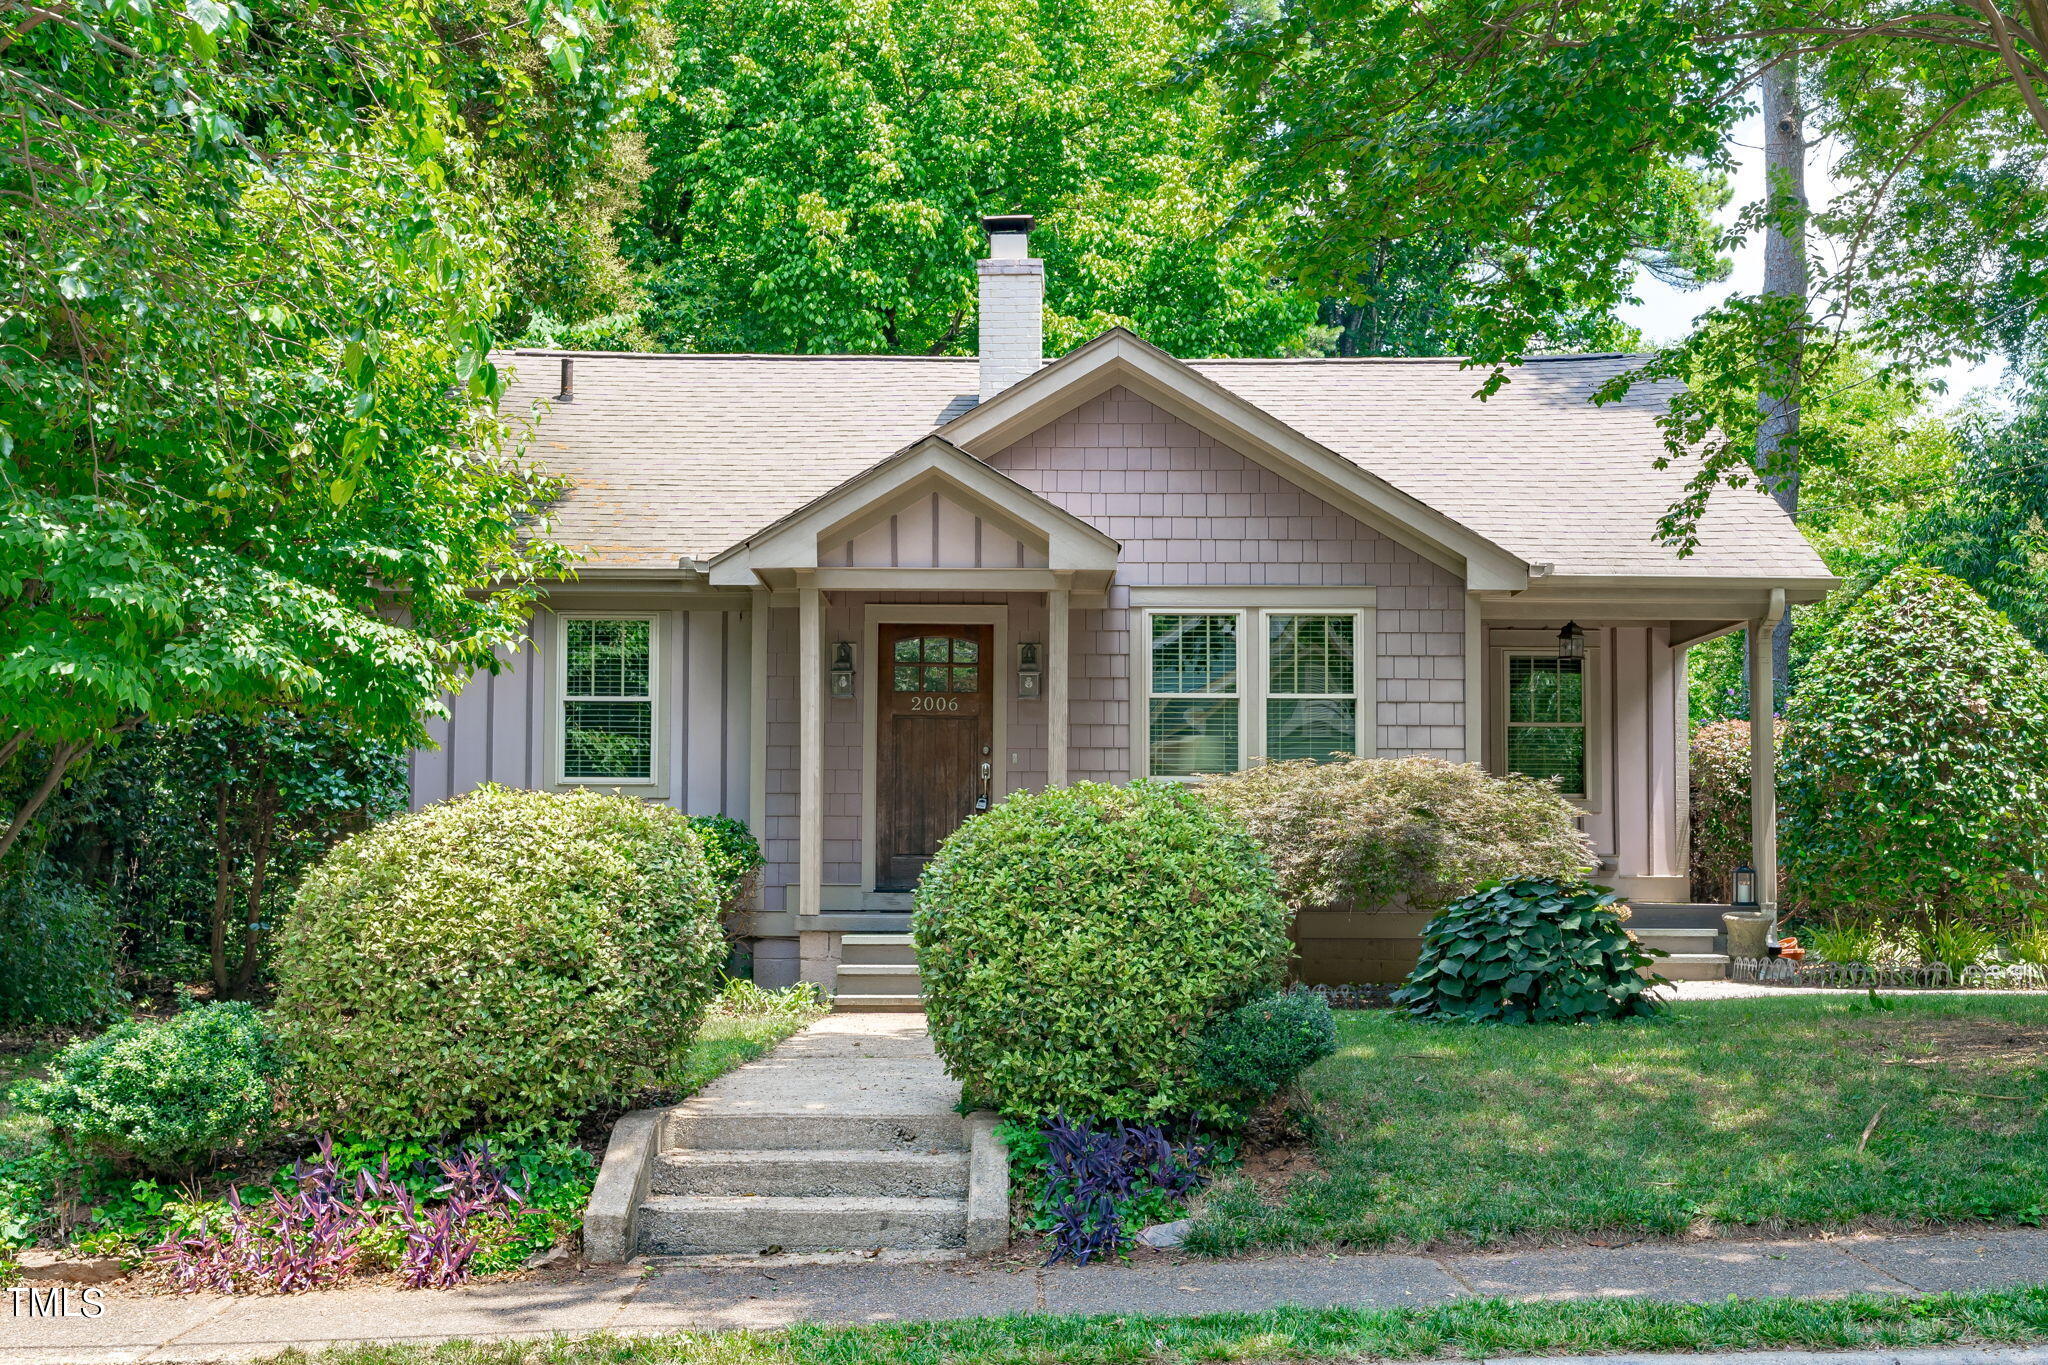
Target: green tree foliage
{"points": [[497, 963], [1991, 530], [58, 969], [1566, 141], [819, 169], [245, 417], [199, 833], [1914, 778], [1430, 155], [1076, 941]]}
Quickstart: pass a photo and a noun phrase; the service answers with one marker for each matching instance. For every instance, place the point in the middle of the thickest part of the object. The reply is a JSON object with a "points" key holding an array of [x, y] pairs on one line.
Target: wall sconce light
{"points": [[1742, 887], [842, 670], [1571, 641], [1030, 675]]}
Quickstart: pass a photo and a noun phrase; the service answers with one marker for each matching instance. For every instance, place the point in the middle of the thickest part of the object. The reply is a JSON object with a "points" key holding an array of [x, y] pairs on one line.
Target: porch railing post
{"points": [[1763, 755], [1059, 609], [810, 800]]}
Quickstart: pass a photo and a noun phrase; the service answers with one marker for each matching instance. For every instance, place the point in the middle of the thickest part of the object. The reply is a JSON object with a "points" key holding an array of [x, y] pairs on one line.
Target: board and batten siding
{"points": [[1191, 512], [498, 727]]}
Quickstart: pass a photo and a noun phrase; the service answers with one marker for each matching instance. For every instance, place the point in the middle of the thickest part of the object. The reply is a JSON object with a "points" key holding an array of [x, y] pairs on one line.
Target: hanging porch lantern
{"points": [[1571, 641]]}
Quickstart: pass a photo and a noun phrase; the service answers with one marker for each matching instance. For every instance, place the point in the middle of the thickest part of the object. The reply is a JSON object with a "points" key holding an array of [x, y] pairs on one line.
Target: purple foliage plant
{"points": [[1092, 1172]]}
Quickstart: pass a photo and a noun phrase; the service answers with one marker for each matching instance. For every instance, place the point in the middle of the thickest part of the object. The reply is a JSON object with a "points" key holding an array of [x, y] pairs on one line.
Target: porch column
{"points": [[757, 726], [810, 759], [1763, 756], [1059, 605]]}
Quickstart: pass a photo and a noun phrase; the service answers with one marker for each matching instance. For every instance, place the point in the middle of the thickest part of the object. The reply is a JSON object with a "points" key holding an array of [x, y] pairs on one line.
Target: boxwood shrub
{"points": [[1075, 942], [1534, 951], [1263, 1044], [500, 962], [170, 1095]]}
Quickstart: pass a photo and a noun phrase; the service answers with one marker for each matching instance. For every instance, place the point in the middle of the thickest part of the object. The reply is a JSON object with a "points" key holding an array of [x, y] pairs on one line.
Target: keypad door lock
{"points": [[987, 773]]}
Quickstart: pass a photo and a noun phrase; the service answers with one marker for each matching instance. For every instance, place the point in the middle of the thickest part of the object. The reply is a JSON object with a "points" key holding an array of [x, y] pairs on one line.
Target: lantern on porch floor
{"points": [[1571, 641], [1742, 887]]}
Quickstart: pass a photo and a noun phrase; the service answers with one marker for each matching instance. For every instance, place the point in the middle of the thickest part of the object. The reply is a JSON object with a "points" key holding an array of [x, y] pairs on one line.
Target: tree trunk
{"points": [[264, 829], [1784, 277], [223, 893]]}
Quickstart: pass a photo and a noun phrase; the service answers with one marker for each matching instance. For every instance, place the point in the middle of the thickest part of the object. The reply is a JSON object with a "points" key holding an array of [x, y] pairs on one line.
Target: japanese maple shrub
{"points": [[1075, 942], [1533, 951], [1413, 831], [1915, 773], [497, 963]]}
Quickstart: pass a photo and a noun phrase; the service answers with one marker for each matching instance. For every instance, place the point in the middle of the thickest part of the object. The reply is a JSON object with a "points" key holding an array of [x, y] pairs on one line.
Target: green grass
{"points": [[744, 1023], [1484, 1328], [1720, 1115]]}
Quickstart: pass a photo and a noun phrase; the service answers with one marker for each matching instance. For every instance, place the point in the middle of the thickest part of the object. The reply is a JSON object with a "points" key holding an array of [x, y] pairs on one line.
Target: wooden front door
{"points": [[935, 746]]}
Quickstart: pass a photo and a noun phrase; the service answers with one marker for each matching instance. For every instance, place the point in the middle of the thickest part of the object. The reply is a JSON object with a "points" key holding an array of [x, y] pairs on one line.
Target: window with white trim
{"points": [[607, 698], [1278, 683], [1194, 721], [1546, 720]]}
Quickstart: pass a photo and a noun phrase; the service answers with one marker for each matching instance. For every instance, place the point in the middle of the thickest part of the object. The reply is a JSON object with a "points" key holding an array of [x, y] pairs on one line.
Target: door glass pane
{"points": [[934, 679], [1550, 752], [966, 651], [1319, 728], [907, 650], [966, 679], [904, 679], [1193, 735], [1194, 654], [935, 649], [1310, 654]]}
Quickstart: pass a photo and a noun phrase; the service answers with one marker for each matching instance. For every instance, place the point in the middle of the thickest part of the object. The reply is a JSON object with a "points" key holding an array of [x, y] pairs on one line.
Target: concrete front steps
{"points": [[842, 1139], [878, 973], [1691, 933]]}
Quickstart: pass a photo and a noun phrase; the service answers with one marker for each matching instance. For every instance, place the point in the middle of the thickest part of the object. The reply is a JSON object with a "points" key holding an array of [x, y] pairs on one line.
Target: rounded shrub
{"points": [[1075, 942], [502, 961], [58, 964], [1915, 772], [1416, 831], [1534, 951], [167, 1096], [1257, 1048], [731, 854]]}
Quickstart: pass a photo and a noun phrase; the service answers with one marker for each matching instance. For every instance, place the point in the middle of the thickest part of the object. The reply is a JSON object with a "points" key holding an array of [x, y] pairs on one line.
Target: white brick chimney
{"points": [[1012, 305]]}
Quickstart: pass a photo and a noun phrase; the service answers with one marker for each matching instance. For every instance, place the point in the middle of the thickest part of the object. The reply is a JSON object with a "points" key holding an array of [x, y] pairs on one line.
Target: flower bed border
{"points": [[1935, 976]]}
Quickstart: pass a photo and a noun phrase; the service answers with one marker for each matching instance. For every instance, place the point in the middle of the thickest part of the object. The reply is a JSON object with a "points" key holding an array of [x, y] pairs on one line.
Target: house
{"points": [[852, 599]]}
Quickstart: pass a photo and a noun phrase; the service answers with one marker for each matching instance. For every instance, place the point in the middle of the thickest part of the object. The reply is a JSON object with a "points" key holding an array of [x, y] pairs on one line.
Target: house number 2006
{"points": [[935, 703]]}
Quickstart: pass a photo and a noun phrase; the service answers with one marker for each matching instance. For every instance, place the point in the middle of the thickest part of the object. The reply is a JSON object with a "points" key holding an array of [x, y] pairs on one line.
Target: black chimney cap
{"points": [[1007, 222]]}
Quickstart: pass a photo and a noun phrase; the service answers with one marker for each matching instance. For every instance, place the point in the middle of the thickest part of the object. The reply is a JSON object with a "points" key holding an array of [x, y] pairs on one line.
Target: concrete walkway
{"points": [[647, 1298]]}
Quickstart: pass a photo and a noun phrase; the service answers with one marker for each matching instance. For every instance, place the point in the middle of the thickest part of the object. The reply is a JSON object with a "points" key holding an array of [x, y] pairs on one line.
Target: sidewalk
{"points": [[645, 1299]]}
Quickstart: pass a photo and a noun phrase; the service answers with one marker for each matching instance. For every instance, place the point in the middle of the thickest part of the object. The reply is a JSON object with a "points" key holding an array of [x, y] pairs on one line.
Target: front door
{"points": [[935, 742]]}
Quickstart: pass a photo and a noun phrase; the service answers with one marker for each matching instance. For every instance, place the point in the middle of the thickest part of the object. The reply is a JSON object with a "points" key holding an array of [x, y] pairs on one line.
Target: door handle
{"points": [[987, 772]]}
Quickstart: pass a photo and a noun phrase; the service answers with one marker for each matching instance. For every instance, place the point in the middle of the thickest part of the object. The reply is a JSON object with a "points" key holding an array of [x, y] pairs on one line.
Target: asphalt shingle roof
{"points": [[685, 455]]}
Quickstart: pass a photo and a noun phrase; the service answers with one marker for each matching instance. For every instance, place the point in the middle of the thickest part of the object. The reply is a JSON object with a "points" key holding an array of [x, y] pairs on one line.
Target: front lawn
{"points": [[1719, 1114], [1480, 1329]]}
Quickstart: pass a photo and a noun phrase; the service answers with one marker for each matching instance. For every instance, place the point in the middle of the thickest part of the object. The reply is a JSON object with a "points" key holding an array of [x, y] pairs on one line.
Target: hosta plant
{"points": [[1532, 952]]}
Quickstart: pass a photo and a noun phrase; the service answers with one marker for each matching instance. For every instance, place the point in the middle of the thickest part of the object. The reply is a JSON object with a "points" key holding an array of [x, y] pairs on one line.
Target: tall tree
{"points": [[1785, 279], [1544, 130], [248, 457], [819, 169]]}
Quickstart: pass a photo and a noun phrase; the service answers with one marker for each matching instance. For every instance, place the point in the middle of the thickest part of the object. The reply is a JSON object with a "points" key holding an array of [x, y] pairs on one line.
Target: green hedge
{"points": [[1075, 942], [56, 954], [501, 962], [1914, 780]]}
